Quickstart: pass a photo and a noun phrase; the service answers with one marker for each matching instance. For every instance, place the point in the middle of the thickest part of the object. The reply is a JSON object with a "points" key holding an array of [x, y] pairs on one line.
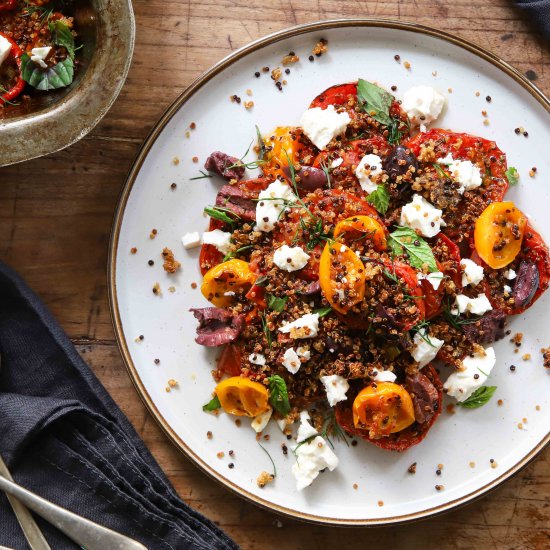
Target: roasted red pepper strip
{"points": [[14, 57], [8, 5], [230, 360]]}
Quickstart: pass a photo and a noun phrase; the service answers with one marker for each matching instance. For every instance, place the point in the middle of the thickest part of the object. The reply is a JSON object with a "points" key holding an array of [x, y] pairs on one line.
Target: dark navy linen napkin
{"points": [[539, 12], [64, 438]]}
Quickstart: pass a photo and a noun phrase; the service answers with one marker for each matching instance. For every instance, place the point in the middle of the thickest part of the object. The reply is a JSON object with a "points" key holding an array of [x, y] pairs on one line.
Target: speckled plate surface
{"points": [[464, 442]]}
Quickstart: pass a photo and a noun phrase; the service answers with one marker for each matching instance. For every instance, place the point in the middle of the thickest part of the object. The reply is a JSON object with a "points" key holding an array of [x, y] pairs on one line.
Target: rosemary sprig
{"points": [[270, 458], [267, 332], [326, 170], [233, 253], [204, 175], [221, 214], [330, 427]]}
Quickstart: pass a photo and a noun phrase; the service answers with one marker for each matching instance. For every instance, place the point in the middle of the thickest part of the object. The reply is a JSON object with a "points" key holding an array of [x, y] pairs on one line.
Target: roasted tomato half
{"points": [[230, 360], [226, 281], [242, 397]]}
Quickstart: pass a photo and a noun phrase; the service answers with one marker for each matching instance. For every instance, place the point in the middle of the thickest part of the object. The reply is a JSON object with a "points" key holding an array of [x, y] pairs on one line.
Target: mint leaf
{"points": [[276, 304], [478, 398], [375, 101], [404, 239], [323, 311], [278, 395], [512, 175], [52, 78], [213, 405], [380, 199], [62, 36]]}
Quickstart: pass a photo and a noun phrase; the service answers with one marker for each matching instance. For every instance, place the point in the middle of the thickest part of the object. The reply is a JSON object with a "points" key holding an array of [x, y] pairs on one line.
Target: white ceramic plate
{"points": [[357, 49]]}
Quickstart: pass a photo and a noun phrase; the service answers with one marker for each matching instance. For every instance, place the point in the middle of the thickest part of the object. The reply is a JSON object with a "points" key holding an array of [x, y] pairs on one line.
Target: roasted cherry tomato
{"points": [[362, 227], [499, 233], [382, 409], [8, 5], [11, 80], [230, 360], [222, 282], [256, 294], [282, 145], [210, 256], [341, 276], [242, 397], [335, 95]]}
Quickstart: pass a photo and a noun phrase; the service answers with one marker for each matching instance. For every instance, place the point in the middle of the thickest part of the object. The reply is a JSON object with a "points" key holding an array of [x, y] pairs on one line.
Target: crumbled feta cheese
{"points": [[422, 129], [425, 347], [462, 383], [420, 215], [290, 258], [218, 238], [257, 359], [472, 273], [304, 353], [510, 274], [506, 289], [337, 162], [476, 306], [191, 240], [434, 278], [369, 167], [464, 172], [423, 104], [305, 429], [311, 458], [383, 376], [305, 326], [323, 125], [260, 422], [229, 293], [38, 56], [291, 361], [5, 49], [268, 212], [336, 388]]}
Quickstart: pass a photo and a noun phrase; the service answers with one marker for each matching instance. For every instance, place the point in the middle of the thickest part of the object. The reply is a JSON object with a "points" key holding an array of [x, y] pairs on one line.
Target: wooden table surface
{"points": [[55, 219]]}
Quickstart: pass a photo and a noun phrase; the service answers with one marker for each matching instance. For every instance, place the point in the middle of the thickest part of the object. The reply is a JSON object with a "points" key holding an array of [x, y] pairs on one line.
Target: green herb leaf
{"points": [[323, 311], [261, 144], [278, 395], [512, 175], [418, 250], [202, 176], [52, 78], [267, 332], [62, 36], [262, 281], [395, 134], [478, 398], [213, 405], [440, 170], [375, 101], [219, 214], [276, 304], [380, 199]]}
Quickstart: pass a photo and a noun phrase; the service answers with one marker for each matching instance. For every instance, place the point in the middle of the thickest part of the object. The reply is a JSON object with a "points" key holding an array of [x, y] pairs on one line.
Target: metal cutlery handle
{"points": [[83, 531]]}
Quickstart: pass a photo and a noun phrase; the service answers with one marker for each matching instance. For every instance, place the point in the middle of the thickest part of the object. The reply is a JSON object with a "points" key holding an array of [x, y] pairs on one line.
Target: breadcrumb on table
{"points": [[263, 479]]}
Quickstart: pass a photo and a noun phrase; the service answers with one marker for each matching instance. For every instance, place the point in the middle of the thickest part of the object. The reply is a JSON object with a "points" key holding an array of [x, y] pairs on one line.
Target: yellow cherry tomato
{"points": [[281, 145], [341, 276], [383, 409], [242, 397], [365, 227], [498, 234], [223, 281]]}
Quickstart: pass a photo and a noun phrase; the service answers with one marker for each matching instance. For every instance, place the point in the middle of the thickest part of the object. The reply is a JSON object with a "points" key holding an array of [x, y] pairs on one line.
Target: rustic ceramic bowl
{"points": [[54, 120]]}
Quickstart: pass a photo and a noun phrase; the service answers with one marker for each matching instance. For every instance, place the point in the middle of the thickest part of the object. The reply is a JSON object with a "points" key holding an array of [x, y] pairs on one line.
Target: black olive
{"points": [[308, 178], [393, 164], [527, 283]]}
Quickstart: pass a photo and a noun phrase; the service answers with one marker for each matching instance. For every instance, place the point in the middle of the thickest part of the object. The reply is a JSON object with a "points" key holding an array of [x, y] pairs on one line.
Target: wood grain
{"points": [[55, 220]]}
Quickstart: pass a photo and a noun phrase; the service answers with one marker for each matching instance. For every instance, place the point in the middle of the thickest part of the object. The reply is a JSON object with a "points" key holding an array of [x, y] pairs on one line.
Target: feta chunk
{"points": [[291, 361], [464, 172], [369, 167], [323, 125], [304, 353], [260, 422], [257, 359], [337, 162], [462, 383], [472, 273], [336, 388], [422, 216], [423, 104], [311, 458], [434, 278], [218, 238], [268, 212], [290, 258], [476, 306], [425, 347], [305, 326], [191, 240], [5, 49], [38, 56], [510, 274], [305, 429], [383, 376], [507, 289]]}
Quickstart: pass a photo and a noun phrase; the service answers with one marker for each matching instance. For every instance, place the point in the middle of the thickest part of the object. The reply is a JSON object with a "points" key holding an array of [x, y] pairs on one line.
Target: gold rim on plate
{"points": [[113, 303]]}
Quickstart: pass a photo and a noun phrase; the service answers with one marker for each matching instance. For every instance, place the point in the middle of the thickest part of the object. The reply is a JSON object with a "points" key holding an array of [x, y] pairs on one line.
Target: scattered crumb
{"points": [[133, 250], [397, 57], [276, 73], [174, 186], [290, 59], [153, 233], [265, 69], [412, 468], [488, 99], [477, 94], [440, 466], [537, 407], [248, 92], [486, 122], [171, 289], [139, 339], [187, 134], [235, 98], [192, 125], [494, 465], [407, 65], [450, 90], [172, 383], [517, 338], [209, 435], [221, 454], [484, 113], [248, 105], [193, 285], [167, 389], [439, 487], [434, 73], [546, 357], [380, 503], [170, 265], [238, 422], [524, 420], [450, 408], [263, 479], [520, 426], [472, 464], [195, 159], [175, 161], [320, 48], [500, 402], [355, 486], [157, 290], [526, 356]]}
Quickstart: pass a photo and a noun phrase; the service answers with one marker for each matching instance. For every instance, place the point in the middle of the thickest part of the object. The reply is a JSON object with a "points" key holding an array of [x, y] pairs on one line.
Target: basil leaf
{"points": [[478, 398], [62, 36], [52, 78], [512, 175], [375, 101], [380, 199], [418, 250], [213, 405], [278, 394], [276, 304], [323, 311]]}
